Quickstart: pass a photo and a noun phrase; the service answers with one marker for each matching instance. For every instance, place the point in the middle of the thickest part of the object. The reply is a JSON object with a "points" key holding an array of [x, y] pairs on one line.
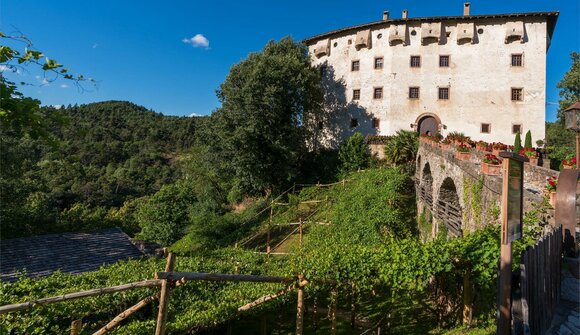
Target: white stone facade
{"points": [[480, 75]]}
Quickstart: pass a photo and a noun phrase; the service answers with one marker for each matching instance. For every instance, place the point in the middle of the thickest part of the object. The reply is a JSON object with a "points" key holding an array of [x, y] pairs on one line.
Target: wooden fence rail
{"points": [[77, 295], [540, 282]]}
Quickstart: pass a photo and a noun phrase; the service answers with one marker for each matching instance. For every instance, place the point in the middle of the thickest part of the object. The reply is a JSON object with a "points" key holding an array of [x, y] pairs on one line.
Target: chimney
{"points": [[466, 9], [386, 15], [405, 14]]}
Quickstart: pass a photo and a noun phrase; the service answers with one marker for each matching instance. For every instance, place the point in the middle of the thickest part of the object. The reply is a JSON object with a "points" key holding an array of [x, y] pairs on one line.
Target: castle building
{"points": [[483, 75]]}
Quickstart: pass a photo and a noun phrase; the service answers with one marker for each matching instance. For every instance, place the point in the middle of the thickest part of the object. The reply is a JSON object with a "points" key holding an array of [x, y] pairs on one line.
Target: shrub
{"points": [[402, 148], [164, 216], [528, 142], [463, 148], [518, 143], [528, 152], [353, 154], [491, 159]]}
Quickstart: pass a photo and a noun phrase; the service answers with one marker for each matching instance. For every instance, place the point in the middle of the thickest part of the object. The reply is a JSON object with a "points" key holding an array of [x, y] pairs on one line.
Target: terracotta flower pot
{"points": [[553, 199], [491, 169], [444, 146], [568, 167], [480, 147], [495, 152], [533, 160], [462, 156]]}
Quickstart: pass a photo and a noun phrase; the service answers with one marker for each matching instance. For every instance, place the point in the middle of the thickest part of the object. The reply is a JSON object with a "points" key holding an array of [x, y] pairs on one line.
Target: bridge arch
{"points": [[448, 207]]}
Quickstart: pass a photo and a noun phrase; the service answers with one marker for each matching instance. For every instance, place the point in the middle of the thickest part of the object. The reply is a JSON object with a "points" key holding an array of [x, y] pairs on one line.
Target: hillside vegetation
{"points": [[95, 160]]}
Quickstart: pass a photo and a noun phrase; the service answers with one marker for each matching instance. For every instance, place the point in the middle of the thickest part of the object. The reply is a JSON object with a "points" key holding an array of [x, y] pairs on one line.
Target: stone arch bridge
{"points": [[454, 195]]}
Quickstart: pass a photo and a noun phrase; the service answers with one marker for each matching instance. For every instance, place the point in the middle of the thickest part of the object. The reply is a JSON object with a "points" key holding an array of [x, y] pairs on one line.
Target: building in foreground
{"points": [[483, 75]]}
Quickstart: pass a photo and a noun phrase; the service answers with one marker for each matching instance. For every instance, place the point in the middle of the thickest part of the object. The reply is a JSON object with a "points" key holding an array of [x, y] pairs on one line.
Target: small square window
{"points": [[443, 93], [516, 128], [413, 92], [355, 66], [517, 94], [355, 94], [376, 123], [485, 128], [415, 61], [378, 93], [349, 42], [323, 71], [443, 61], [320, 125], [378, 63], [353, 123], [517, 60]]}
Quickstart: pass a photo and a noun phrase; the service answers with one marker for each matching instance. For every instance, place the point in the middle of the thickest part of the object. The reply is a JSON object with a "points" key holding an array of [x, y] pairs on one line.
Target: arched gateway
{"points": [[428, 123]]}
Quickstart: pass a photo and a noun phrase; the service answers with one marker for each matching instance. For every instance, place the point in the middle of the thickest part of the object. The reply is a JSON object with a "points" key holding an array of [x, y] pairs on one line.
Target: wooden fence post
{"points": [[269, 227], [300, 223], [353, 306], [164, 297], [333, 303], [300, 307], [467, 298], [75, 327]]}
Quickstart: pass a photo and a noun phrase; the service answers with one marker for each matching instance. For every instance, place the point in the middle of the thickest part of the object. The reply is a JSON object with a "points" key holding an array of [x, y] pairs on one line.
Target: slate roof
{"points": [[41, 255], [551, 17]]}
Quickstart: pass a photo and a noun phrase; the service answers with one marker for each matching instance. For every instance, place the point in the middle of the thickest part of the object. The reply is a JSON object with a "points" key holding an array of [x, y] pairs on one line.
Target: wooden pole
{"points": [[353, 306], [333, 303], [75, 327], [300, 225], [221, 277], [467, 298], [125, 314], [577, 148], [504, 322], [76, 295], [266, 298], [300, 308], [164, 297], [505, 272], [269, 227]]}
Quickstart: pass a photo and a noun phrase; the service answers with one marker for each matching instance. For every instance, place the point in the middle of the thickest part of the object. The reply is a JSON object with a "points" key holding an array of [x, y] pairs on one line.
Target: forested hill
{"points": [[104, 155]]}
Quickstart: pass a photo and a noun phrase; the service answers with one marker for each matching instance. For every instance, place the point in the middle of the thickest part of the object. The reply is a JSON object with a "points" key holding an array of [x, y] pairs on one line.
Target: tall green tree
{"points": [[258, 135], [569, 86], [560, 142], [528, 141], [353, 154], [518, 142]]}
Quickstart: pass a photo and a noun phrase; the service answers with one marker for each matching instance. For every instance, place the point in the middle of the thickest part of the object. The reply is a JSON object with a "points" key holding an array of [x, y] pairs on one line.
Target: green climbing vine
{"points": [[472, 196]]}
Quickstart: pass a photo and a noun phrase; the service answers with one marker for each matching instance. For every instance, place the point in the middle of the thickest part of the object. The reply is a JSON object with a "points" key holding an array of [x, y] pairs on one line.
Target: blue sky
{"points": [[145, 51]]}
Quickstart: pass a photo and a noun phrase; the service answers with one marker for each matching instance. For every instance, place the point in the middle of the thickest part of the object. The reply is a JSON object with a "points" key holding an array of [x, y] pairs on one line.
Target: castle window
{"points": [[443, 93], [517, 94], [517, 60], [415, 61], [355, 94], [443, 61], [320, 125], [413, 92], [376, 123], [353, 123], [378, 63], [378, 93], [355, 66], [516, 128], [485, 128]]}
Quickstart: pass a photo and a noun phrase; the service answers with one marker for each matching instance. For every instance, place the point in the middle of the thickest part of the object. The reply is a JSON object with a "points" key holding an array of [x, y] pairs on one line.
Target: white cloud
{"points": [[194, 114], [6, 68], [197, 41], [57, 106], [64, 86], [43, 81]]}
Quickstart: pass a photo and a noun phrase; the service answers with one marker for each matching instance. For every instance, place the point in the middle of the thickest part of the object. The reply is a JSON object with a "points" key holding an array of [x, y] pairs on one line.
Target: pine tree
{"points": [[518, 143], [528, 142]]}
